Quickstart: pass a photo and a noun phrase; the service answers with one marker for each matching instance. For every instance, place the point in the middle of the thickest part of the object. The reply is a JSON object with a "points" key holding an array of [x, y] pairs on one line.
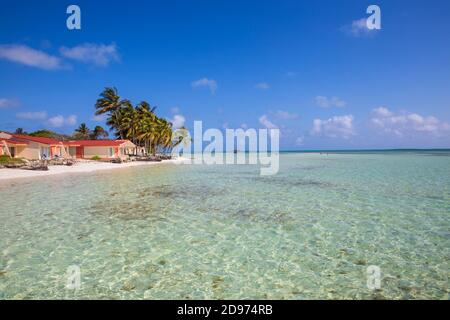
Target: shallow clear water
{"points": [[225, 232]]}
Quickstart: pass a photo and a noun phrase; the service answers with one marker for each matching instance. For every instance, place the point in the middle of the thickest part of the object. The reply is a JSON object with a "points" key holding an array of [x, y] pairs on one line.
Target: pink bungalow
{"points": [[105, 149], [28, 147]]}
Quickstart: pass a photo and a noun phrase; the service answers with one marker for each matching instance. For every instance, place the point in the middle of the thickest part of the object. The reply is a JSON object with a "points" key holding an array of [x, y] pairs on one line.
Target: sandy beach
{"points": [[79, 167]]}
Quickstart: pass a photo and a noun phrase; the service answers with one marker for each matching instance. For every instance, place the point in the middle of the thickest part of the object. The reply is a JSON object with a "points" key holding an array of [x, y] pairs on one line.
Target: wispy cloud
{"points": [[358, 28], [264, 120], [335, 127], [407, 123], [96, 54], [178, 121], [99, 118], [382, 112], [59, 121], [38, 115], [55, 121], [30, 57], [325, 102], [262, 86], [285, 115], [205, 82], [8, 103]]}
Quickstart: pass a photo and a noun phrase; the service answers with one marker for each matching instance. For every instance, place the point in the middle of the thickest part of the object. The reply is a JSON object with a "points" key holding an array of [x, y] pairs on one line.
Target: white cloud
{"points": [[99, 118], [405, 123], [264, 120], [55, 121], [382, 112], [335, 127], [178, 121], [285, 115], [39, 115], [325, 102], [358, 28], [205, 82], [59, 121], [8, 103], [71, 120], [96, 54], [28, 56], [262, 86]]}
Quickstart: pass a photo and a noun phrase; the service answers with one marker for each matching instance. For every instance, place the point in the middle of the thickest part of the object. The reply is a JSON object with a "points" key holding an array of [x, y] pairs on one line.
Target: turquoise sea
{"points": [[225, 232]]}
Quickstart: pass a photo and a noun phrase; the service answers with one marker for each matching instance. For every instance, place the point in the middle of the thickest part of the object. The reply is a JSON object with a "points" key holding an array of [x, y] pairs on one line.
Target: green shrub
{"points": [[96, 158], [5, 159]]}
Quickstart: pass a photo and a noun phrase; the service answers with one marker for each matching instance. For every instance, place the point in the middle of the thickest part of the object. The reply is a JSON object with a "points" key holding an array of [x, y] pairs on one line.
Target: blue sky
{"points": [[310, 68]]}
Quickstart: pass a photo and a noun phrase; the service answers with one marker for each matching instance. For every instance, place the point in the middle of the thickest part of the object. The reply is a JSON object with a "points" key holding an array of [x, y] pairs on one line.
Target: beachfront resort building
{"points": [[105, 149], [31, 148], [28, 147]]}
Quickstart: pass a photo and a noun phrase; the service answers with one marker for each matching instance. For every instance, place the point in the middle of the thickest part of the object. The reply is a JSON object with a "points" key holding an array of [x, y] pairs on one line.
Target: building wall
{"points": [[56, 151], [102, 152], [33, 151], [72, 151], [30, 152]]}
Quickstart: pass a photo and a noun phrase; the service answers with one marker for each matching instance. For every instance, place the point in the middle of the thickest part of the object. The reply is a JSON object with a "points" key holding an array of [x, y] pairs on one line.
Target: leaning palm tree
{"points": [[82, 132], [147, 132], [128, 122], [110, 103], [162, 135]]}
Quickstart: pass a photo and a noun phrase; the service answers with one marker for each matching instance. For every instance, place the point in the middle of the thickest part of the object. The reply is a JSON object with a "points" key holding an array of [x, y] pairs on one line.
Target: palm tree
{"points": [[82, 132], [111, 104], [20, 131], [99, 133]]}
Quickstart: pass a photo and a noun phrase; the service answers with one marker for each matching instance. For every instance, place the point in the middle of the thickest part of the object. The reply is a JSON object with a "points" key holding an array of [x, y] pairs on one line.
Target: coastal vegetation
{"points": [[84, 133], [44, 133], [140, 124]]}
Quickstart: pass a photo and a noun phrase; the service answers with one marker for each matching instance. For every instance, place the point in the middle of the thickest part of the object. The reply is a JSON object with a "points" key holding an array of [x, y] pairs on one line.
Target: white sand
{"points": [[82, 166]]}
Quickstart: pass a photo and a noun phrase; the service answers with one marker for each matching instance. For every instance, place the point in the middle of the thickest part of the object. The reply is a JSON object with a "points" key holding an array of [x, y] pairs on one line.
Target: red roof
{"points": [[95, 143], [25, 139], [42, 140], [13, 141]]}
